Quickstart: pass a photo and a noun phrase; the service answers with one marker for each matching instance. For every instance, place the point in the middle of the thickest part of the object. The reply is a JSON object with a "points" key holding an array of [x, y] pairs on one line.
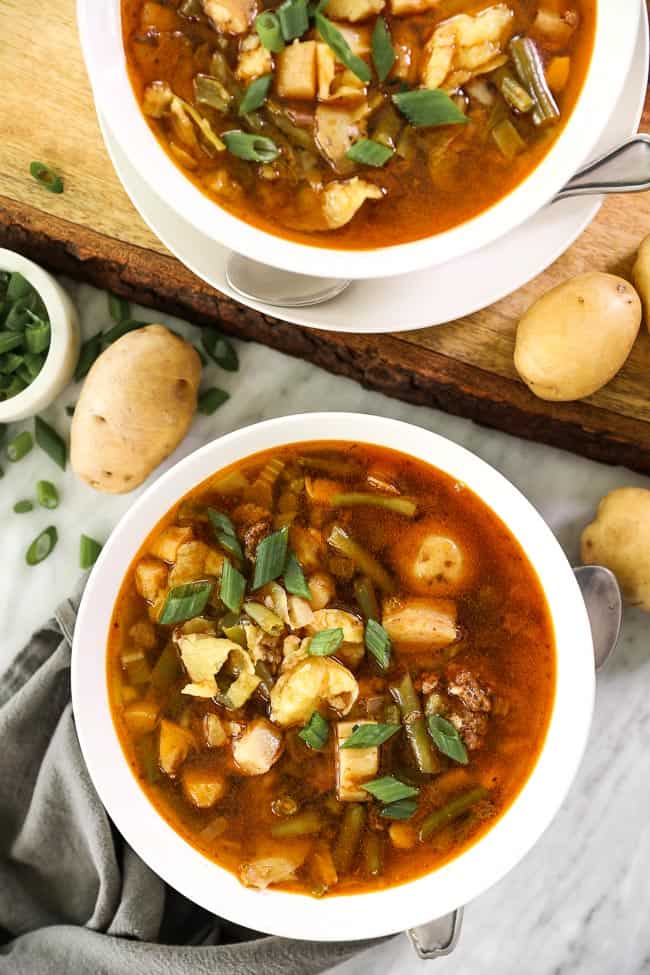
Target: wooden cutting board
{"points": [[92, 232]]}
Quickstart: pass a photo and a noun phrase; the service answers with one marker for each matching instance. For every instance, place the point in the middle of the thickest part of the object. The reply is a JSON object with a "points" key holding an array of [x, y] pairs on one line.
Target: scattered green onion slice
{"points": [[22, 507], [294, 578], [90, 350], [370, 735], [369, 153], [378, 643], [118, 308], [185, 602], [220, 349], [253, 148], [402, 809], [50, 441], [211, 399], [255, 95], [225, 532], [120, 329], [316, 731], [389, 789], [47, 495], [428, 107], [447, 738], [89, 551], [233, 587], [335, 39], [294, 18], [270, 558], [383, 53], [42, 546], [46, 177], [19, 445], [269, 31], [325, 643]]}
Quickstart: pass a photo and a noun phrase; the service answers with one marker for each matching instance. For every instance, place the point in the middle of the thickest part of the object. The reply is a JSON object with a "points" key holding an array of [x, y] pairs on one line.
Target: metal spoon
{"points": [[625, 169], [604, 604]]}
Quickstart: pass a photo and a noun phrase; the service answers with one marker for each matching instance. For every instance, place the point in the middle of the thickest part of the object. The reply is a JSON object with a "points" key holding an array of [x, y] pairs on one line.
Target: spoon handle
{"points": [[624, 169]]}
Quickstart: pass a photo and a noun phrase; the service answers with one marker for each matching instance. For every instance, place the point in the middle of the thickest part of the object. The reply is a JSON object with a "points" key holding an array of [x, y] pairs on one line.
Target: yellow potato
{"points": [[575, 338], [135, 408], [619, 538], [431, 562], [641, 277]]}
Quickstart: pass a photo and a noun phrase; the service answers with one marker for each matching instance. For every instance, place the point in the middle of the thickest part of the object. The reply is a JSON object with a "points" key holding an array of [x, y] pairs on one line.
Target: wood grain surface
{"points": [[93, 233]]}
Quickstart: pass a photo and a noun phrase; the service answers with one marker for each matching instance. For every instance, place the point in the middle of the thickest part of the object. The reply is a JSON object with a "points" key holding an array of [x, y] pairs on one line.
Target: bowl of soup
{"points": [[357, 138], [332, 676]]}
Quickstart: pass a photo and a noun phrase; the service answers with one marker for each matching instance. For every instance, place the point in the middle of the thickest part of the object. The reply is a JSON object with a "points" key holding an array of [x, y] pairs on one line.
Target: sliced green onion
{"points": [[383, 53], [89, 551], [270, 558], [47, 495], [447, 739], [122, 328], [42, 546], [255, 94], [37, 337], [220, 349], [325, 642], [118, 308], [402, 809], [9, 341], [211, 399], [294, 18], [369, 153], [46, 177], [18, 287], [233, 587], [370, 735], [337, 42], [90, 350], [34, 364], [225, 532], [22, 507], [378, 643], [19, 445], [253, 148], [316, 731], [185, 602], [294, 578], [9, 362], [454, 809], [428, 107], [389, 789], [49, 440], [269, 31], [265, 618]]}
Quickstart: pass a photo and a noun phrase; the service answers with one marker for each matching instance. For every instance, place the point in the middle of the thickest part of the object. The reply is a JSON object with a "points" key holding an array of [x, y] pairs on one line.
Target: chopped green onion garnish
{"points": [[402, 809], [118, 308], [90, 350], [255, 95], [46, 177], [253, 148], [378, 643], [89, 551], [9, 341], [211, 399], [47, 495], [370, 735], [37, 336], [270, 558], [185, 602], [383, 53], [335, 39], [369, 153], [325, 643], [428, 107], [447, 739], [42, 546], [18, 287], [389, 789], [294, 578], [233, 587], [122, 328], [269, 31], [22, 507], [210, 91], [50, 441], [19, 445], [226, 534], [316, 731], [34, 364], [220, 349], [294, 18], [269, 621]]}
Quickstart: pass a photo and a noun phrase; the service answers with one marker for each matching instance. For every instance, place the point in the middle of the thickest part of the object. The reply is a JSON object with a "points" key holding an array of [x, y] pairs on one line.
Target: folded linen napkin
{"points": [[74, 898]]}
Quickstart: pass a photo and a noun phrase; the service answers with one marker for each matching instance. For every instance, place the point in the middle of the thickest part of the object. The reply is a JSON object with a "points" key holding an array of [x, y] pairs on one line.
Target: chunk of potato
{"points": [[418, 622], [166, 545], [619, 538], [323, 590], [330, 619], [343, 198], [574, 339], [309, 546], [258, 748], [135, 407], [254, 59], [230, 16], [296, 70], [430, 561], [195, 560], [202, 786], [354, 10], [143, 634], [151, 578], [141, 716], [214, 732], [353, 765], [465, 46], [274, 868], [174, 746], [336, 129], [312, 682]]}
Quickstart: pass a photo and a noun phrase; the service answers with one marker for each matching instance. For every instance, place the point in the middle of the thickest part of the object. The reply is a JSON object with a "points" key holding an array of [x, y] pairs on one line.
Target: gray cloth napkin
{"points": [[74, 898]]}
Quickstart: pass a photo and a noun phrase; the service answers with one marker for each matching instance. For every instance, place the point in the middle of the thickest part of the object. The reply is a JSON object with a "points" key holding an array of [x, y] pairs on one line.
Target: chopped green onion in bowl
{"points": [[25, 334]]}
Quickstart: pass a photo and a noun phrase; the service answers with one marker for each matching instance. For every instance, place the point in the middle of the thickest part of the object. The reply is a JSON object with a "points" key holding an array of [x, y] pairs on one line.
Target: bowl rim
{"points": [[397, 908], [100, 31]]}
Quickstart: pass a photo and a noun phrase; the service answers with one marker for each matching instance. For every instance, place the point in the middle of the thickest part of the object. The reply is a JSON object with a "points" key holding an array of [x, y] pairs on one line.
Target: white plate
{"points": [[423, 298]]}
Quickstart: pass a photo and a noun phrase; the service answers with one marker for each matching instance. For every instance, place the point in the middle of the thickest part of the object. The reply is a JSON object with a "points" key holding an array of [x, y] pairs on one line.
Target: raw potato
{"points": [[575, 339], [619, 539], [135, 408], [641, 277]]}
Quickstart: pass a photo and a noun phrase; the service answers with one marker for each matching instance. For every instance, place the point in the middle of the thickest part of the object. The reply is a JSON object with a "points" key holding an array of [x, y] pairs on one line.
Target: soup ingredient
{"points": [[316, 731], [574, 339], [134, 409], [415, 727], [419, 621], [51, 442], [258, 748], [619, 538], [210, 400], [431, 562], [377, 640], [19, 445], [641, 277], [89, 551], [46, 176], [423, 107], [355, 766], [23, 507], [47, 495], [447, 739], [24, 334], [383, 52], [270, 558], [311, 683], [42, 546], [453, 810]]}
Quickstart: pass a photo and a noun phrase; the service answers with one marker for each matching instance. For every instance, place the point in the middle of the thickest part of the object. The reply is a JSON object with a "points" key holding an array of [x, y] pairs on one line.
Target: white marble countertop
{"points": [[579, 901]]}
